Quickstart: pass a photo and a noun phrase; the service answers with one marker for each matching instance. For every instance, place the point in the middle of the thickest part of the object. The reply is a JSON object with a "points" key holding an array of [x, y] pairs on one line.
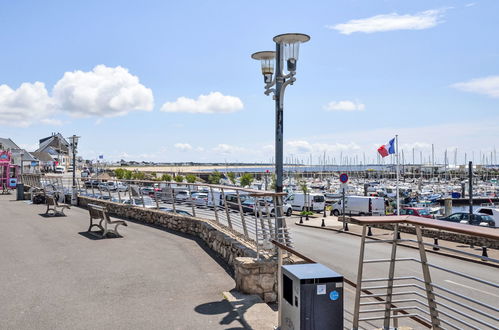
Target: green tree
{"points": [[179, 178], [232, 177], [191, 178], [128, 174], [246, 179], [119, 173], [166, 177], [273, 182], [139, 175], [215, 177]]}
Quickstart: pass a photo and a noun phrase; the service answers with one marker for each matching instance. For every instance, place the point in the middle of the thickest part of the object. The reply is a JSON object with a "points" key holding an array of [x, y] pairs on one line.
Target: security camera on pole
{"points": [[343, 180]]}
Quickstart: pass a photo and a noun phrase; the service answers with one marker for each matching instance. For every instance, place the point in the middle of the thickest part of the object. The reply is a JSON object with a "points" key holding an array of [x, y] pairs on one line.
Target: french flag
{"points": [[387, 149]]}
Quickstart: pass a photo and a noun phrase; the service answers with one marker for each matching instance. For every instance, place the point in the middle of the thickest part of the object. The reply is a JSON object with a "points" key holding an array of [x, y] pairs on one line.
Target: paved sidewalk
{"points": [[55, 277], [334, 223]]}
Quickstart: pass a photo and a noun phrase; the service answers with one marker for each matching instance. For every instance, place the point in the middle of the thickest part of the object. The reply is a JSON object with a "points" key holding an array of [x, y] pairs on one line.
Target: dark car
{"points": [[415, 211], [476, 219], [92, 183]]}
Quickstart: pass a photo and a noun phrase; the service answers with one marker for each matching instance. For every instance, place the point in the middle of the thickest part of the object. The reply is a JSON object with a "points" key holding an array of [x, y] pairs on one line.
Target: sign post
{"points": [[343, 180]]}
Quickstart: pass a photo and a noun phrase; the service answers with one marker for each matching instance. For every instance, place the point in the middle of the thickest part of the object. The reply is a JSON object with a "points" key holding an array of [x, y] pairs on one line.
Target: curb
{"points": [[406, 245]]}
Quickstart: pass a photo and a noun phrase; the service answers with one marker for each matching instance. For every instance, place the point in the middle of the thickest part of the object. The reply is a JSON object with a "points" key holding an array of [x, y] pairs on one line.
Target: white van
{"points": [[60, 169], [300, 202], [360, 205]]}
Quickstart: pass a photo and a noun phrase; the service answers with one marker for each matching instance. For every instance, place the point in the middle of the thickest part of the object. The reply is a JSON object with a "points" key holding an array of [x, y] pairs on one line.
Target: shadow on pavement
{"points": [[221, 307], [96, 236], [43, 215], [218, 259]]}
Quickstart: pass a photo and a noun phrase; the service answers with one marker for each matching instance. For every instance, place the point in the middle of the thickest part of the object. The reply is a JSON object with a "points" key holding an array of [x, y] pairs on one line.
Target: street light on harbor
{"points": [[74, 144], [287, 50]]}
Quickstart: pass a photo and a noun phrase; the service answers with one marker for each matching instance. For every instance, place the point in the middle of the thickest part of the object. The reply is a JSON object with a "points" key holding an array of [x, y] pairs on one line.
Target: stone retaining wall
{"points": [[252, 276]]}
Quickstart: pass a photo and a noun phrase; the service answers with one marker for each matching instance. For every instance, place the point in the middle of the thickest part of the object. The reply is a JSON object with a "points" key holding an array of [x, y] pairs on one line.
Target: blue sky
{"points": [[425, 70]]}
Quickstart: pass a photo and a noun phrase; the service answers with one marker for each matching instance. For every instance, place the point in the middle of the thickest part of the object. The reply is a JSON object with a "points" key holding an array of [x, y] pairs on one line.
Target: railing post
{"points": [[391, 275], [269, 220], [243, 221], [279, 287], [100, 190], [215, 207], [141, 195], [130, 191], [356, 310], [172, 192], [255, 210], [229, 222], [109, 192], [118, 190], [190, 200], [262, 222], [432, 304]]}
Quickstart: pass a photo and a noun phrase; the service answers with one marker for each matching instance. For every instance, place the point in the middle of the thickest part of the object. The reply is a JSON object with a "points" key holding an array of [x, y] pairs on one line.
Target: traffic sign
{"points": [[344, 178]]}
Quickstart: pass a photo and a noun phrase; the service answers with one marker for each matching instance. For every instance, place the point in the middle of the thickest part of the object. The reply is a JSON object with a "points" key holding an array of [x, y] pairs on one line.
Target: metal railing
{"points": [[248, 213], [428, 301]]}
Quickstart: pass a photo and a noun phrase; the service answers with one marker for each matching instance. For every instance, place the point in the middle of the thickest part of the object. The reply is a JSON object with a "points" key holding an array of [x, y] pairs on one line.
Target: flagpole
{"points": [[397, 169]]}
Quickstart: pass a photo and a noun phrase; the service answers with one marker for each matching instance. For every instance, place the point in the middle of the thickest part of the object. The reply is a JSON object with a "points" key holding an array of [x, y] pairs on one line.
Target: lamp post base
{"points": [[74, 197]]}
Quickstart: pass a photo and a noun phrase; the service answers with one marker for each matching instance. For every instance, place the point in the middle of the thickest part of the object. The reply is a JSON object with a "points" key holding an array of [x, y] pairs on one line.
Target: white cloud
{"points": [[345, 106], [104, 91], [488, 86], [26, 105], [226, 149], [390, 22], [305, 147], [183, 146], [215, 102]]}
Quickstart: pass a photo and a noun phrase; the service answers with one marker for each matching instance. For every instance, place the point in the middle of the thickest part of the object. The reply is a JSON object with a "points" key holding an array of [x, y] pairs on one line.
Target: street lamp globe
{"points": [[290, 45], [267, 60]]}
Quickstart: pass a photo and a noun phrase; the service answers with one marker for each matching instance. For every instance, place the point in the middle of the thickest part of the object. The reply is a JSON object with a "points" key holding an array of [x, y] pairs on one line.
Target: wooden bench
{"points": [[53, 207], [99, 213]]}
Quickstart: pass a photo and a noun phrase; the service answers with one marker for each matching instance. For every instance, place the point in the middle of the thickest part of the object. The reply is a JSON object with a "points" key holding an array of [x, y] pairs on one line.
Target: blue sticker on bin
{"points": [[334, 295]]}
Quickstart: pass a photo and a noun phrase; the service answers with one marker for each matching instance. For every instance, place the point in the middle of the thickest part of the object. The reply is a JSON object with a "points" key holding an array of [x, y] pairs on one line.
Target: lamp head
{"points": [[290, 43], [267, 60]]}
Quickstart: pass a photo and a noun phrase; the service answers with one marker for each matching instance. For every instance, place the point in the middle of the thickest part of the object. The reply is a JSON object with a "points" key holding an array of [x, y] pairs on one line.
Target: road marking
{"points": [[472, 288]]}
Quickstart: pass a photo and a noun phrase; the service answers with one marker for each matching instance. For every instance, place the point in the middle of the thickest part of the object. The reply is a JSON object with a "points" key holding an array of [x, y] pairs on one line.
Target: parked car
{"points": [[60, 169], [110, 185], [493, 212], [147, 191], [92, 183], [264, 206], [137, 201], [477, 219], [416, 211], [200, 199], [182, 195]]}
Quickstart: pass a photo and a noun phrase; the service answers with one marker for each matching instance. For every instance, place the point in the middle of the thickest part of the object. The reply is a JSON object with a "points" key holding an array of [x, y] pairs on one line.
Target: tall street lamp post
{"points": [[74, 145], [287, 49]]}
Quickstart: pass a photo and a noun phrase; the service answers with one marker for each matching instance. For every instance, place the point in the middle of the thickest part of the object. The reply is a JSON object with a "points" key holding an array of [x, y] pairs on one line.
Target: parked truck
{"points": [[360, 205]]}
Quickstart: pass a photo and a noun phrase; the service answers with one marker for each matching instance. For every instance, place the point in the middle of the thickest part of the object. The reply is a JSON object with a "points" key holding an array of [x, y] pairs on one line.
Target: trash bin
{"points": [[311, 297]]}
